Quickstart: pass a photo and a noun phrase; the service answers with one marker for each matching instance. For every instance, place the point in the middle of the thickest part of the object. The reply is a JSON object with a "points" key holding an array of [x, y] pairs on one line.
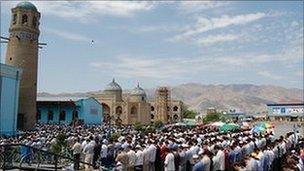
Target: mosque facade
{"points": [[132, 107]]}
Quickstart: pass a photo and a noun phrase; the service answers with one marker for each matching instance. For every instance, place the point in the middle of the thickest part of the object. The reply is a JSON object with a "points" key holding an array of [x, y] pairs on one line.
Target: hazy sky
{"points": [[166, 43]]}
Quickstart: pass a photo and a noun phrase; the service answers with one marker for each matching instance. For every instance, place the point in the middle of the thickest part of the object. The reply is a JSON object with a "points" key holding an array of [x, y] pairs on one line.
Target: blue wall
{"points": [[56, 108], [89, 110], [9, 95]]}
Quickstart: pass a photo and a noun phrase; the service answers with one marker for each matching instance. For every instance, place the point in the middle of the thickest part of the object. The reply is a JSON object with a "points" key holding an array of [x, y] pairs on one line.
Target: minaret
{"points": [[162, 104], [22, 51]]}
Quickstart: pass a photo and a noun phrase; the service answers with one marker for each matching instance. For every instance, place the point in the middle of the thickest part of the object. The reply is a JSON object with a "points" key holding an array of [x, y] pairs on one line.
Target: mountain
{"points": [[247, 98], [243, 97]]}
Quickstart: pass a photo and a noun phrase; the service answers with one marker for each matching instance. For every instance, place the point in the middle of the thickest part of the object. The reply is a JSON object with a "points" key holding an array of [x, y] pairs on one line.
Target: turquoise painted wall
{"points": [[89, 110], [9, 95], [56, 108]]}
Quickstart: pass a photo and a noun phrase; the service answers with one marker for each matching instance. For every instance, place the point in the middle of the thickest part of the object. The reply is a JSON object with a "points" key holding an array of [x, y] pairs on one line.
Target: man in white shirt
{"points": [[139, 161], [219, 159], [152, 155], [104, 153], [132, 158], [89, 152], [206, 161], [169, 162], [76, 153]]}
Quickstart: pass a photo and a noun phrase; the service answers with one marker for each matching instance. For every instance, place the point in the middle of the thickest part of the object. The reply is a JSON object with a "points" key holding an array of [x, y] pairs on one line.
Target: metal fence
{"points": [[20, 156]]}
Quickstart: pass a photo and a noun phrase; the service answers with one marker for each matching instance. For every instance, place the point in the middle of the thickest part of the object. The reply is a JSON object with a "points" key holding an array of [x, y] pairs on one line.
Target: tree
{"points": [[189, 114], [60, 145], [214, 118], [158, 124], [138, 126]]}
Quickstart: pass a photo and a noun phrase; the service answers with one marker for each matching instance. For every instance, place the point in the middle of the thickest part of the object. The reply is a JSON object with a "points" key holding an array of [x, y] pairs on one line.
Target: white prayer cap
{"points": [[185, 145], [195, 156]]}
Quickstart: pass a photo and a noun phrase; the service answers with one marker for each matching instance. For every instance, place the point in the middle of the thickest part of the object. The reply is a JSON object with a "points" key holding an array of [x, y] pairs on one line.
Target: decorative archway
{"points": [[133, 112], [106, 112]]}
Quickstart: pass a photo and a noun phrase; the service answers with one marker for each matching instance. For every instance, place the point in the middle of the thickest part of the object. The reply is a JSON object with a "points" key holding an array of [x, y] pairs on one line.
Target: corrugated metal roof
{"points": [[59, 98], [286, 104]]}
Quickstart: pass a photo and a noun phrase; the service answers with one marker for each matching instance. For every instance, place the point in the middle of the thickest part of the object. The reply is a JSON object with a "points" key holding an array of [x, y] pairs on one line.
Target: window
{"points": [[75, 114], [118, 110], [35, 22], [14, 18], [62, 116], [38, 116], [133, 111], [175, 117], [152, 116], [175, 108], [24, 19], [152, 108], [50, 115], [143, 98]]}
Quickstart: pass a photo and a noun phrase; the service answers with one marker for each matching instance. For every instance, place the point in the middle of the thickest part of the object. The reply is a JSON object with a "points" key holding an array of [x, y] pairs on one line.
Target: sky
{"points": [[166, 43]]}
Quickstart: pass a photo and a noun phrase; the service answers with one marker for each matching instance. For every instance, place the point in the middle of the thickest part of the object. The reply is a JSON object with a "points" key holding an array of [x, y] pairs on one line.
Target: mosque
{"points": [[18, 85], [132, 107]]}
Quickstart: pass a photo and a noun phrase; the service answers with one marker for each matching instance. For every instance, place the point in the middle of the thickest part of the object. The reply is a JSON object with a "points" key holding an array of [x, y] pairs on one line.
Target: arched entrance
{"points": [[118, 112], [106, 112], [133, 113]]}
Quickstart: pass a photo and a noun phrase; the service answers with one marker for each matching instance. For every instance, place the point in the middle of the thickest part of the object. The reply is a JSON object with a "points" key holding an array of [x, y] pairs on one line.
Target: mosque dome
{"points": [[26, 5], [113, 86], [138, 91]]}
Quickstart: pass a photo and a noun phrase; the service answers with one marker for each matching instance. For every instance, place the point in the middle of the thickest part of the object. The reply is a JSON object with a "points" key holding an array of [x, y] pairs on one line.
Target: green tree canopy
{"points": [[189, 114]]}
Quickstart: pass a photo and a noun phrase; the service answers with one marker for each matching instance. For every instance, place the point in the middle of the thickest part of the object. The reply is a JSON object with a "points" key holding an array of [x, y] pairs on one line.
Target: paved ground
{"points": [[281, 128]]}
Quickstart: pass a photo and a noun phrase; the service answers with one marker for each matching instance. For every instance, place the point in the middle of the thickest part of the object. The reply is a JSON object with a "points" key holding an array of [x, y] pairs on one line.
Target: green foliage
{"points": [[138, 126], [61, 140], [158, 124], [56, 148], [114, 136], [149, 129], [60, 145], [189, 114], [214, 118]]}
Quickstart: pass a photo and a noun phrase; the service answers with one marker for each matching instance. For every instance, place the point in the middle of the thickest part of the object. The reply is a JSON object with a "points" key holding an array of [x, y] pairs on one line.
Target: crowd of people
{"points": [[197, 148]]}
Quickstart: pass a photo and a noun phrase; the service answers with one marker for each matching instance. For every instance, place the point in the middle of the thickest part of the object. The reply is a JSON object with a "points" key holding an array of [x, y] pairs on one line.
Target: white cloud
{"points": [[87, 11], [267, 74], [142, 67], [220, 38], [69, 35], [204, 24], [197, 6]]}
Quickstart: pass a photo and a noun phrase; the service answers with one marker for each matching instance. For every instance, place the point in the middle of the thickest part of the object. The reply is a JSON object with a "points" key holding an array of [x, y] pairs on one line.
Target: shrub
{"points": [[214, 118], [158, 124], [114, 137], [138, 126], [189, 114]]}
